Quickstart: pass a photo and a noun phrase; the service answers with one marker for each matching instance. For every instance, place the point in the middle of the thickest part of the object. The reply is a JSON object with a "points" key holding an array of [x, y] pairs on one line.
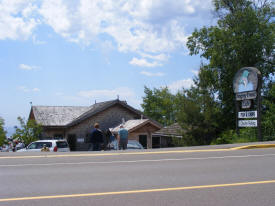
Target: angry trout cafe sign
{"points": [[246, 83], [247, 89]]}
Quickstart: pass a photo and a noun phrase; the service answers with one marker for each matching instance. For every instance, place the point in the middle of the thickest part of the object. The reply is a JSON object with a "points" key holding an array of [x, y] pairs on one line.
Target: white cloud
{"points": [[177, 85], [28, 67], [16, 20], [123, 92], [26, 89], [56, 14], [154, 26], [160, 57], [149, 60], [144, 63], [196, 72], [144, 26], [150, 74], [36, 90]]}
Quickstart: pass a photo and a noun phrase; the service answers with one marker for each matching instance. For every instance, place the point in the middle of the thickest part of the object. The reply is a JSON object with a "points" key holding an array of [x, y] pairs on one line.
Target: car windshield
{"points": [[39, 145], [130, 145], [62, 144], [134, 145]]}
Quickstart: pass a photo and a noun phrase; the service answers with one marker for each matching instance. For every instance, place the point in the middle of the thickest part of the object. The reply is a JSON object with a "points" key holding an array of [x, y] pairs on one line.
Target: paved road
{"points": [[167, 177]]}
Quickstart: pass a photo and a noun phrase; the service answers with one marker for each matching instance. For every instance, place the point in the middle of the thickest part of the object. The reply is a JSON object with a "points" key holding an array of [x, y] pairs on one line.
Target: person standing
{"points": [[97, 138], [123, 137]]}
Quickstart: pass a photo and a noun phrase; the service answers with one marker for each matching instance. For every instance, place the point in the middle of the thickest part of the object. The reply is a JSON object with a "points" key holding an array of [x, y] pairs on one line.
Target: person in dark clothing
{"points": [[108, 135], [97, 138]]}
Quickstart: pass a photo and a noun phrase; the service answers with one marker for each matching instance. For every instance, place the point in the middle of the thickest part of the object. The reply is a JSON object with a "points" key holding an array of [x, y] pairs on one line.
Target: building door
{"points": [[143, 140]]}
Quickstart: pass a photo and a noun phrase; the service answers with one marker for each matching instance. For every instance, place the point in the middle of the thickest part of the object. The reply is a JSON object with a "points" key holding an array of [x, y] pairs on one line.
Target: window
{"points": [[39, 145], [58, 136], [62, 144]]}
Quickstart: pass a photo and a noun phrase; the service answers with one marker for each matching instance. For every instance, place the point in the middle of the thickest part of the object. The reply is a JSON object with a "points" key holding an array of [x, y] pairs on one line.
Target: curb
{"points": [[254, 146]]}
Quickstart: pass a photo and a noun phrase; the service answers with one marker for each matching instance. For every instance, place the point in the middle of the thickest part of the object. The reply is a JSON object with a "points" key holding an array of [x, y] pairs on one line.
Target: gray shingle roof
{"points": [[70, 115], [130, 125], [94, 109], [172, 130], [57, 115]]}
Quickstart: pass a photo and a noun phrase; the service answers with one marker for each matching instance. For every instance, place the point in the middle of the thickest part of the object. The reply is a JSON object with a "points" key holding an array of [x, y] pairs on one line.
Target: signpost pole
{"points": [[259, 108], [237, 119], [247, 88]]}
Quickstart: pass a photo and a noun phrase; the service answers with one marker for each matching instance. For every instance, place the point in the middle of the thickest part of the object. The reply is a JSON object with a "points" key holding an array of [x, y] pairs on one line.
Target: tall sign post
{"points": [[247, 88]]}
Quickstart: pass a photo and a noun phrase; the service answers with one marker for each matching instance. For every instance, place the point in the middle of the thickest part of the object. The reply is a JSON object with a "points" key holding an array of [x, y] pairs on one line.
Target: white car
{"points": [[52, 145], [6, 148]]}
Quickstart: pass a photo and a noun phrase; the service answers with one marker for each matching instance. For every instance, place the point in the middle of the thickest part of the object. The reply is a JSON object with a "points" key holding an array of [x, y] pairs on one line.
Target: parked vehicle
{"points": [[52, 145], [132, 144]]}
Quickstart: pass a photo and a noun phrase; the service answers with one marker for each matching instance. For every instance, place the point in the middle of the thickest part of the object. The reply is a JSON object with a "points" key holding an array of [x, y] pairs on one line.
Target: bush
{"points": [[178, 142], [230, 136]]}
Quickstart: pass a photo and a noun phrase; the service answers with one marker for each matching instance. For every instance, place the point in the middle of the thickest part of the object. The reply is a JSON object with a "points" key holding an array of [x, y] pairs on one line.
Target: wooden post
{"points": [[237, 112], [259, 108]]}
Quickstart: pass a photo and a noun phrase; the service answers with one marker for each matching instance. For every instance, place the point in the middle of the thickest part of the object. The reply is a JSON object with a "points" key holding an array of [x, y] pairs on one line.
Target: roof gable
{"points": [[71, 115], [134, 124], [99, 107], [172, 130], [57, 115]]}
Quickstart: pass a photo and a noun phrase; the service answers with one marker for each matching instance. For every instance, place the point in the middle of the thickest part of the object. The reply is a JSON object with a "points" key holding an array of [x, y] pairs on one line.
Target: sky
{"points": [[76, 52]]}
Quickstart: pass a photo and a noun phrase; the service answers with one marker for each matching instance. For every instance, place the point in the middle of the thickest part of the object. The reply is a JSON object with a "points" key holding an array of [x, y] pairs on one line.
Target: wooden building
{"points": [[140, 130], [75, 123], [163, 137]]}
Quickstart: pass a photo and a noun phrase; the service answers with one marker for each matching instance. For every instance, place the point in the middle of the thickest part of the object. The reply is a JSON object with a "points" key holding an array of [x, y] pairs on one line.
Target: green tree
{"points": [[198, 115], [244, 36], [2, 132], [159, 105], [268, 123], [28, 131]]}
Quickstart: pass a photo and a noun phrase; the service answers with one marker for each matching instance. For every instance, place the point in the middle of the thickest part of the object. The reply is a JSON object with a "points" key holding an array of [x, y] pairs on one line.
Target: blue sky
{"points": [[73, 52]]}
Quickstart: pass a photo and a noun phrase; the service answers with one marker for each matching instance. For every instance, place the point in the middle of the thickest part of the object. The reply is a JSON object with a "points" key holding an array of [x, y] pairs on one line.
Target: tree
{"points": [[198, 115], [2, 132], [193, 109], [244, 36], [268, 123], [28, 131], [159, 105]]}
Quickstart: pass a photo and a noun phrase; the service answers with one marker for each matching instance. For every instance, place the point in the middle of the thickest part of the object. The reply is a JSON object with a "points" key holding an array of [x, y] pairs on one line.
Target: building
{"points": [[140, 130], [75, 123], [163, 137]]}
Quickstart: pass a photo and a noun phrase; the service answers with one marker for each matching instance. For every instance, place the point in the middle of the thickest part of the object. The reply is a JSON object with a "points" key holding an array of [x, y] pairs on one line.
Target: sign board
{"points": [[247, 89], [247, 123], [246, 104], [246, 95], [246, 79], [247, 114]]}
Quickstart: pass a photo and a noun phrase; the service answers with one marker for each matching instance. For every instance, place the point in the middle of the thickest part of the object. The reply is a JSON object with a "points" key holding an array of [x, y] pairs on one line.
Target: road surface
{"points": [[148, 177]]}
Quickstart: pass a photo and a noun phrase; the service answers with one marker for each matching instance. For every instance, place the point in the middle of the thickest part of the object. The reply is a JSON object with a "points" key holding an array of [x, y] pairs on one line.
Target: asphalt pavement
{"points": [[179, 176]]}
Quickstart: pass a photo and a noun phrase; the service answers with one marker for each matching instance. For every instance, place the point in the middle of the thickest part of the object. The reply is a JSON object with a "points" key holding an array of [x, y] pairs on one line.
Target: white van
{"points": [[52, 145]]}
